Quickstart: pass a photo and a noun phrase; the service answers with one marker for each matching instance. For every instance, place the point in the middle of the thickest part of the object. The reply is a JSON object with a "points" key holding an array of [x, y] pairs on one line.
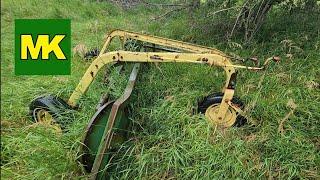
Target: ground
{"points": [[169, 140]]}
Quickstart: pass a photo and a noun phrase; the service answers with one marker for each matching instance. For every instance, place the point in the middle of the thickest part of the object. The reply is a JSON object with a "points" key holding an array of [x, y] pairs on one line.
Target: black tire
{"points": [[50, 103], [217, 98]]}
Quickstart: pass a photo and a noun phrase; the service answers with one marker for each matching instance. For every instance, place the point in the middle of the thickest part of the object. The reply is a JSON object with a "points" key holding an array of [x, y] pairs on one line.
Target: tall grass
{"points": [[168, 140]]}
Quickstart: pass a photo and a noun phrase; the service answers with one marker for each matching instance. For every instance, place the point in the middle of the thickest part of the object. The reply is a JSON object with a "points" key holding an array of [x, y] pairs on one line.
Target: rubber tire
{"points": [[217, 98], [53, 104]]}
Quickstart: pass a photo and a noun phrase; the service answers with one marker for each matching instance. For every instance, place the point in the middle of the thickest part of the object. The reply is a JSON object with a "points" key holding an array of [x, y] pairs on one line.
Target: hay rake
{"points": [[107, 129]]}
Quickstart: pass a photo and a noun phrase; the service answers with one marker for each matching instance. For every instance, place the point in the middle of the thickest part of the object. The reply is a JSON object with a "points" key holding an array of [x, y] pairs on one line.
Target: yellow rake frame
{"points": [[190, 54]]}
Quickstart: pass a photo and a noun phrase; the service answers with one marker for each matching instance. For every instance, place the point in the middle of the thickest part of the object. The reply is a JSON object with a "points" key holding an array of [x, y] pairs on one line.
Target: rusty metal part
{"points": [[108, 133]]}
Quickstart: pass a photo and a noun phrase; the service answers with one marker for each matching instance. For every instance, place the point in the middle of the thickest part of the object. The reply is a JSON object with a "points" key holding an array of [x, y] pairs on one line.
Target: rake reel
{"points": [[107, 129]]}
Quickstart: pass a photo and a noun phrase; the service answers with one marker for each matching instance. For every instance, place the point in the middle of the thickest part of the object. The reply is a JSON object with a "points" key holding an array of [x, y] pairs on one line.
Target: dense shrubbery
{"points": [[242, 19]]}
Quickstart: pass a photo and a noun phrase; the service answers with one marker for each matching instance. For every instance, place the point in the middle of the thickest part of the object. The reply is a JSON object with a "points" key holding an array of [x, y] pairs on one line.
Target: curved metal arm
{"points": [[188, 47], [125, 56]]}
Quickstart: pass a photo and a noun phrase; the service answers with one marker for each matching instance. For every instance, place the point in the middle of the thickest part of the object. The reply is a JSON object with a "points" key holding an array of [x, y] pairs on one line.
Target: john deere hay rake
{"points": [[107, 129]]}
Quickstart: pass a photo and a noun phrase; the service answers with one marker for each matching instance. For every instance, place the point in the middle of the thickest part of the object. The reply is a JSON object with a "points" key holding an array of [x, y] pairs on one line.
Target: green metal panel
{"points": [[95, 133]]}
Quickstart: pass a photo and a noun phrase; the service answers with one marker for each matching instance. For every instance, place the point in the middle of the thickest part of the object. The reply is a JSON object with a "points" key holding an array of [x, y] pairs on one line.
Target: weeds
{"points": [[168, 140]]}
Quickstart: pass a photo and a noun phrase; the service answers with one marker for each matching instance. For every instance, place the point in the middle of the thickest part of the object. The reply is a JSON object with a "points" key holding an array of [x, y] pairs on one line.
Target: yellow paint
{"points": [[228, 119], [221, 113]]}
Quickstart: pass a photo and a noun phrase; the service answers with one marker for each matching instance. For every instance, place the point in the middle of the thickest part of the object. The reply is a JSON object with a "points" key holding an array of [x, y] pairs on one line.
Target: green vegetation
{"points": [[169, 141]]}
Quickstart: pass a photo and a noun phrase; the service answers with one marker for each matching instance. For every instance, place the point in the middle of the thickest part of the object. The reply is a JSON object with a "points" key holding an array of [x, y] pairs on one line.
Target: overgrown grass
{"points": [[169, 141]]}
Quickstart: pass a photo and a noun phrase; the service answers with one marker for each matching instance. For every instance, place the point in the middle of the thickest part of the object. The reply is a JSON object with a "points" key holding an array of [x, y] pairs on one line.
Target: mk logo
{"points": [[42, 47], [42, 43]]}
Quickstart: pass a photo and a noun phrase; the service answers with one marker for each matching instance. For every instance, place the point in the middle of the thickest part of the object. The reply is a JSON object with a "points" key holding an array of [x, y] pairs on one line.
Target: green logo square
{"points": [[42, 47]]}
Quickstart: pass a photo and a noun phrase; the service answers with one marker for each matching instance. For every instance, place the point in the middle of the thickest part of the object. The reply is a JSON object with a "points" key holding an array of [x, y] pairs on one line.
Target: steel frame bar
{"points": [[191, 54]]}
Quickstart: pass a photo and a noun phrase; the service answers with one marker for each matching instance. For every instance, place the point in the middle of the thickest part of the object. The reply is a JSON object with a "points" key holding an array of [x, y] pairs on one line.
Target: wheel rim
{"points": [[42, 116], [212, 115]]}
